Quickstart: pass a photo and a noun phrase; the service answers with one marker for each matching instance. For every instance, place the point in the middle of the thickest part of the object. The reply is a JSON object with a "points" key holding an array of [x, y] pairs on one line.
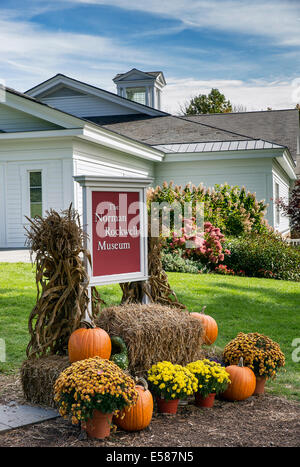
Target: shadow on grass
{"points": [[272, 293]]}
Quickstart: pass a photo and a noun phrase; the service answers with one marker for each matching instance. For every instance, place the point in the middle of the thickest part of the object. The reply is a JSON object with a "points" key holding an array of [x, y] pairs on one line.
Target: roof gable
{"points": [[136, 74], [60, 80]]}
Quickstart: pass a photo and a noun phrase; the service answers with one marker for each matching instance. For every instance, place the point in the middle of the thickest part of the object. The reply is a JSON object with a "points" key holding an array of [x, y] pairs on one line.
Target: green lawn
{"points": [[237, 303]]}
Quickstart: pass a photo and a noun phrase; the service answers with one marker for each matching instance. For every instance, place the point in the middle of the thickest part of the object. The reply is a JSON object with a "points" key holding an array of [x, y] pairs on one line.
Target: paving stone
{"points": [[15, 416]]}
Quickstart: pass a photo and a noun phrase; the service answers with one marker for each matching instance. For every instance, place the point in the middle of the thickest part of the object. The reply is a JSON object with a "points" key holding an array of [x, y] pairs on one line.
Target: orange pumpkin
{"points": [[242, 384], [210, 327], [139, 416], [87, 343]]}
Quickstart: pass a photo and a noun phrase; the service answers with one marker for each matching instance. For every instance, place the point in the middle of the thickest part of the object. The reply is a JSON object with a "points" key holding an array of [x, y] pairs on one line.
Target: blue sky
{"points": [[249, 50]]}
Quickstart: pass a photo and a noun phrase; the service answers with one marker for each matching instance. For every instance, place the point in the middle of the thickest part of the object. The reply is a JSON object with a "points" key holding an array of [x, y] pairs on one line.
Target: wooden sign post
{"points": [[115, 219]]}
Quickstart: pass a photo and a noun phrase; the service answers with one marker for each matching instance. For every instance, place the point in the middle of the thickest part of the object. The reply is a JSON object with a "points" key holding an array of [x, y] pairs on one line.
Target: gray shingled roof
{"points": [[277, 126], [152, 73], [169, 130]]}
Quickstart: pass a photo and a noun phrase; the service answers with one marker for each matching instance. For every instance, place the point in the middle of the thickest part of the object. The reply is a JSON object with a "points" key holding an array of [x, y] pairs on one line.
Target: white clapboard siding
{"points": [[92, 160], [14, 120], [87, 106]]}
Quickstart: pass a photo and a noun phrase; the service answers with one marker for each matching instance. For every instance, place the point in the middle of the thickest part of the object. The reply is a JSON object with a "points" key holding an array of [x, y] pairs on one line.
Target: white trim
{"points": [[25, 168], [42, 111], [95, 134], [285, 162], [119, 143], [41, 134]]}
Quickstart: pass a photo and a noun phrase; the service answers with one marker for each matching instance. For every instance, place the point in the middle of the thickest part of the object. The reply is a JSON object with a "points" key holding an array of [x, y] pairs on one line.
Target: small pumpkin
{"points": [[210, 327], [87, 343], [139, 416], [242, 384], [119, 353]]}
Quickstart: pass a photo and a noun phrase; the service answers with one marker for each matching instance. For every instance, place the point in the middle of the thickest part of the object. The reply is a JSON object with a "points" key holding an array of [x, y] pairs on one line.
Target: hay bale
{"points": [[154, 333], [38, 377]]}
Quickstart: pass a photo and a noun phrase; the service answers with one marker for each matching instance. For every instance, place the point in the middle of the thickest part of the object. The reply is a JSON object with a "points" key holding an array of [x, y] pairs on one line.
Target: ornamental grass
{"points": [[259, 352], [93, 384], [211, 376], [169, 381]]}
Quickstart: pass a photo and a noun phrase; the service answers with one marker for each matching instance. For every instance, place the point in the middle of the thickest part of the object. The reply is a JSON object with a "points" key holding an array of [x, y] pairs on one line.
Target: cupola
{"points": [[140, 86]]}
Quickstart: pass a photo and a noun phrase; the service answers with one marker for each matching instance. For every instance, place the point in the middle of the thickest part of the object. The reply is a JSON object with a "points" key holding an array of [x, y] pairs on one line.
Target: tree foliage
{"points": [[214, 102]]}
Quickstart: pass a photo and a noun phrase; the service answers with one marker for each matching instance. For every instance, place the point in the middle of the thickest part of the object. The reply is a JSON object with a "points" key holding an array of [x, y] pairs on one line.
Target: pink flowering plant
{"points": [[205, 246]]}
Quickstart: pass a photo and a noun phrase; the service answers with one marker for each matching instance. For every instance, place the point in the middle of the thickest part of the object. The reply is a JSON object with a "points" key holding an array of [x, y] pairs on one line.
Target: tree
{"points": [[214, 102]]}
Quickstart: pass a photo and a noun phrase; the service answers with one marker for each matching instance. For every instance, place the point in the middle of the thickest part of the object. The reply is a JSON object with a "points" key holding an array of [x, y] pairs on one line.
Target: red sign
{"points": [[115, 233]]}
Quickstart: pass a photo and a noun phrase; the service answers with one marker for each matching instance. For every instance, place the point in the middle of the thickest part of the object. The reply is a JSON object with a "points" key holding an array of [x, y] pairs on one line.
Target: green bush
{"points": [[174, 262], [263, 256]]}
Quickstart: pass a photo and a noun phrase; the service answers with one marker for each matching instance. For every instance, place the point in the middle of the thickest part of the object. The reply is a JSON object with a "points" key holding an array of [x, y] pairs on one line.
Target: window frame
{"points": [[30, 171], [134, 89]]}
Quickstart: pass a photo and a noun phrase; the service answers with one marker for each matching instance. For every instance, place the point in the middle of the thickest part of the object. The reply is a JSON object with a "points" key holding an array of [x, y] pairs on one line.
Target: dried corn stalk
{"points": [[61, 279]]}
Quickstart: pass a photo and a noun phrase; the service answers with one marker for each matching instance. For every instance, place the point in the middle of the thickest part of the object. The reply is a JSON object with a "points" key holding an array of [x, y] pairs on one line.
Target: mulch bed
{"points": [[259, 421]]}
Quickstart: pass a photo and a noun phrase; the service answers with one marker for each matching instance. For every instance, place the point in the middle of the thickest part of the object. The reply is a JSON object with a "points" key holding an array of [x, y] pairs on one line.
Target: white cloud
{"points": [[277, 20], [254, 94], [31, 53]]}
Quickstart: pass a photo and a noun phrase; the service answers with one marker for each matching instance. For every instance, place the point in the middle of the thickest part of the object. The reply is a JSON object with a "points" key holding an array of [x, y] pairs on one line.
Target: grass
{"points": [[266, 306]]}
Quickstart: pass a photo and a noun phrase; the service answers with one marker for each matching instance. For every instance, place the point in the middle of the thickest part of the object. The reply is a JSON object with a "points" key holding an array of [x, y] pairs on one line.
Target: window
{"points": [[277, 207], [136, 94], [35, 184]]}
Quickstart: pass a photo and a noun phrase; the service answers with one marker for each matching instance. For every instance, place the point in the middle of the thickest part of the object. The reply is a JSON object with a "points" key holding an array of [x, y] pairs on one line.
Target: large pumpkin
{"points": [[88, 343], [139, 416], [210, 327], [242, 384]]}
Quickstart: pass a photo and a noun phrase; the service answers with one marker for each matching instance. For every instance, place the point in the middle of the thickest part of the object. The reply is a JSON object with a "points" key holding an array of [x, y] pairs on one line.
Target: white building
{"points": [[64, 127]]}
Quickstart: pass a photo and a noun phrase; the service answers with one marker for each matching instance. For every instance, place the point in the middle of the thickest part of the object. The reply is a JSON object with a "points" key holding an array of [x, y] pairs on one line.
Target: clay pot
{"points": [[99, 425], [207, 401], [167, 406], [260, 385]]}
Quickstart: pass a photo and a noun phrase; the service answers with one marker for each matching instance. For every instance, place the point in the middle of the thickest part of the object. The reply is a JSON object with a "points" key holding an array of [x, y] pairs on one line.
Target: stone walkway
{"points": [[15, 256], [14, 415]]}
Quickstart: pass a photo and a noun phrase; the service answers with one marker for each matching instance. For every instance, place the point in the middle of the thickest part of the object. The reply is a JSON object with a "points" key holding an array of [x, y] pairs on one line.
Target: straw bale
{"points": [[38, 377], [154, 333]]}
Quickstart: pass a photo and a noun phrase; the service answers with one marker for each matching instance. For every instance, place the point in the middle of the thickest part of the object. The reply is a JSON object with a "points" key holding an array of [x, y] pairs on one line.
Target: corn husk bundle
{"points": [[154, 333], [57, 241]]}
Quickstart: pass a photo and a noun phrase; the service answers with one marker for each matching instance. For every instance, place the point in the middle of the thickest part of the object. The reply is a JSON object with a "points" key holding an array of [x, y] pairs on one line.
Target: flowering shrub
{"points": [[207, 245], [170, 381], [211, 376], [259, 353], [91, 384], [265, 255], [230, 208]]}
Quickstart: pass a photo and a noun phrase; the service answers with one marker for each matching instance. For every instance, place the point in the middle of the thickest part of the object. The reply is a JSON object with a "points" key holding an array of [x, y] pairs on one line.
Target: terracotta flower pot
{"points": [[167, 406], [260, 385], [99, 425], [207, 401]]}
